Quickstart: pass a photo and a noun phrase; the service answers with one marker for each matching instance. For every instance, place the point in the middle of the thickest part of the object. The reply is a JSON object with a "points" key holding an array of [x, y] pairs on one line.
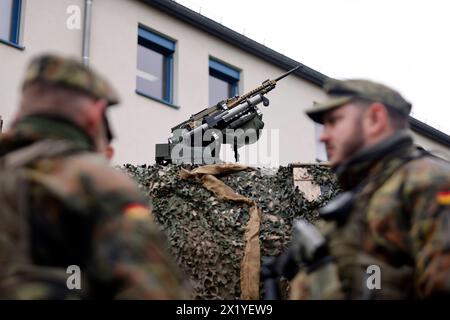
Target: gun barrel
{"points": [[253, 101], [287, 73]]}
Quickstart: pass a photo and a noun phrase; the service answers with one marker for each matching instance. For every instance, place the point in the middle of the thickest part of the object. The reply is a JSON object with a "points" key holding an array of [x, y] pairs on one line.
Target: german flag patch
{"points": [[137, 211], [443, 198]]}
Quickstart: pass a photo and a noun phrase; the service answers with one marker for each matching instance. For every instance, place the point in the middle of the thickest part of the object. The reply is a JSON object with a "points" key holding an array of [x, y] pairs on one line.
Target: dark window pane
{"points": [[5, 19], [150, 74], [218, 90]]}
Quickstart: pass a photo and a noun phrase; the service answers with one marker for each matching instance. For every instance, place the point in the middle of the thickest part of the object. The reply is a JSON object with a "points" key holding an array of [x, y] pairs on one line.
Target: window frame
{"points": [[225, 72], [14, 36], [165, 46], [15, 25]]}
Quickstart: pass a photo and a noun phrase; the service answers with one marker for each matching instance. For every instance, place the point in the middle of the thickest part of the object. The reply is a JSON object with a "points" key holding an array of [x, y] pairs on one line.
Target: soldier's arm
{"points": [[428, 193], [130, 259]]}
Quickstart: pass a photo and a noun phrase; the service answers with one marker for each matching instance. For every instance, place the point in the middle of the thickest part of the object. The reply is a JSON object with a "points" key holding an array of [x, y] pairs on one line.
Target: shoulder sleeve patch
{"points": [[137, 211], [443, 198]]}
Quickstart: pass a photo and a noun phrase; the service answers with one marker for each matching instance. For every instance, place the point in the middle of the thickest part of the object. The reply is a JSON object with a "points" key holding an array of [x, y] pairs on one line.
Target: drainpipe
{"points": [[87, 32]]}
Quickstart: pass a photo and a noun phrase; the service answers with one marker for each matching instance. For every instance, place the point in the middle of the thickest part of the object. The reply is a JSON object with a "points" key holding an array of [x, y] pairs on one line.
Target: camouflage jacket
{"points": [[398, 229], [76, 211]]}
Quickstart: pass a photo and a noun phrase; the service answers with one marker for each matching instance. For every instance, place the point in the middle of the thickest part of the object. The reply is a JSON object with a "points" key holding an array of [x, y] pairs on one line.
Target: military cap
{"points": [[344, 91], [70, 73]]}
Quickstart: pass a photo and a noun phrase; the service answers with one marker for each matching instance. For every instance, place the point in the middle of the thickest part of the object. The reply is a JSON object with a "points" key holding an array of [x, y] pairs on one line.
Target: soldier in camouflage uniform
{"points": [[387, 236], [62, 205]]}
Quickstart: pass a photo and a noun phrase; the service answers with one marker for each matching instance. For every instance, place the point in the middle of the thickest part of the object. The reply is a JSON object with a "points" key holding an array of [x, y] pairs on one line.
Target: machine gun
{"points": [[187, 143]]}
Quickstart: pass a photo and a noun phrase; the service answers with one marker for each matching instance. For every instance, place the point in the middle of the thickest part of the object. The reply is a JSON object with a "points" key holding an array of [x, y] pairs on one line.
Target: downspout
{"points": [[87, 32]]}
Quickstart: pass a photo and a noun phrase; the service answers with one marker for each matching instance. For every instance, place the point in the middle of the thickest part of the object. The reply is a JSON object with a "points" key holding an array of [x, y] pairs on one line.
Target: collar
{"points": [[38, 127], [370, 161]]}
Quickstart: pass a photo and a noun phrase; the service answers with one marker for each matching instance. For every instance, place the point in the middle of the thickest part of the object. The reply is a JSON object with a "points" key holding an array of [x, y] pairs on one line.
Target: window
{"points": [[155, 66], [10, 20], [223, 82]]}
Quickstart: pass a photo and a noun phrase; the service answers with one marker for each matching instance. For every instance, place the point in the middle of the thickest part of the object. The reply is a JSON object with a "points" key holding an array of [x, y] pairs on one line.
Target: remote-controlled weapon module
{"points": [[236, 121]]}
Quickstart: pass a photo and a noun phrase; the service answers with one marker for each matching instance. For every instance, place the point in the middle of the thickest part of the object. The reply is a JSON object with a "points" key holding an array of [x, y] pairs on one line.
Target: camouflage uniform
{"points": [[398, 218], [63, 205]]}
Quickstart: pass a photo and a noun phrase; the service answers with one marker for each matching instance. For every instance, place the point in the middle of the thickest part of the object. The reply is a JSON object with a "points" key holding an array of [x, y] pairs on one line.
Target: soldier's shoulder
{"points": [[101, 173], [65, 174], [428, 170], [430, 164]]}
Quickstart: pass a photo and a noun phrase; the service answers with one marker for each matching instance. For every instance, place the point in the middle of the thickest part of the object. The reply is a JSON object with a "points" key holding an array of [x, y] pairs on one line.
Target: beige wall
{"points": [[43, 30], [140, 123]]}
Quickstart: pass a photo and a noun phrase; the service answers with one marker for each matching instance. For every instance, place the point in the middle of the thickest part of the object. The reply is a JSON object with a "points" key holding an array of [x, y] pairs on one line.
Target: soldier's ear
{"points": [[378, 119], [99, 107], [94, 116]]}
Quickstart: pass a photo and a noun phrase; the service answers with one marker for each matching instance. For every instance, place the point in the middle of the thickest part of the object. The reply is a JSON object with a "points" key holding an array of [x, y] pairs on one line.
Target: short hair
{"points": [[398, 120], [44, 97]]}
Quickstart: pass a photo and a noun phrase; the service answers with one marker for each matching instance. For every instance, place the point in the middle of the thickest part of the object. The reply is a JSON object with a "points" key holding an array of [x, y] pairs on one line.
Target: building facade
{"points": [[167, 63]]}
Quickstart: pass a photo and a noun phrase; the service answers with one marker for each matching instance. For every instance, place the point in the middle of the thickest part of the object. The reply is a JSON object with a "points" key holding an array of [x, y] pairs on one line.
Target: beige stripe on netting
{"points": [[250, 263]]}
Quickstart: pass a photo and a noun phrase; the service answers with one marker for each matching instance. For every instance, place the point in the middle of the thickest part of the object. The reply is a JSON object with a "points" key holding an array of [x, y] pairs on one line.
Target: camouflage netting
{"points": [[206, 234]]}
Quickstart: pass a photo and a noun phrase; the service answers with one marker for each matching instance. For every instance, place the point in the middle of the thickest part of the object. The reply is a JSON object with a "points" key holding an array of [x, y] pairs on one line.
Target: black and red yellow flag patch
{"points": [[443, 197]]}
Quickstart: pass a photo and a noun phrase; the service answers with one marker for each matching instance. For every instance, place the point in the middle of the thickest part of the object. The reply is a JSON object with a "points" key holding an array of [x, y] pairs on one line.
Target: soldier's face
{"points": [[343, 133]]}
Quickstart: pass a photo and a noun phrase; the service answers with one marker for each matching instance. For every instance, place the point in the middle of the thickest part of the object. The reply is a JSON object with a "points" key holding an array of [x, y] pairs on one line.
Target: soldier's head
{"points": [[358, 114], [63, 87]]}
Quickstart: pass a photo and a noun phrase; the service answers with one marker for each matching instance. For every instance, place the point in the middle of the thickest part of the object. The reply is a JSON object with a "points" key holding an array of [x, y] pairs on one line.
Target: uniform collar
{"points": [[370, 161], [38, 127]]}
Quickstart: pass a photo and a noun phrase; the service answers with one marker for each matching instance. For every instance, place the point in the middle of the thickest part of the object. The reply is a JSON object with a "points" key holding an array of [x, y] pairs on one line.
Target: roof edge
{"points": [[429, 132]]}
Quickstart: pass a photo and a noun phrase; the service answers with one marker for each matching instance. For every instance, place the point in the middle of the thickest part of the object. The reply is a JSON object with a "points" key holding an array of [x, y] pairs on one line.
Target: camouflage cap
{"points": [[70, 73], [343, 91]]}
